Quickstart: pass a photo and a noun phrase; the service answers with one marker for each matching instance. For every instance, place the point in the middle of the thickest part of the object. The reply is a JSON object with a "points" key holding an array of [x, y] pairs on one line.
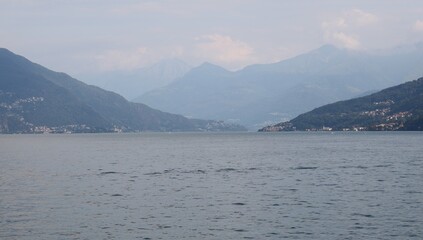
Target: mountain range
{"points": [[262, 94], [395, 108], [133, 83], [35, 99]]}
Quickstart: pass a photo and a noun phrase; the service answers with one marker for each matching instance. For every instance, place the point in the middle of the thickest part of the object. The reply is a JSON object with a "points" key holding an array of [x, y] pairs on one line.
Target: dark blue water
{"points": [[212, 186]]}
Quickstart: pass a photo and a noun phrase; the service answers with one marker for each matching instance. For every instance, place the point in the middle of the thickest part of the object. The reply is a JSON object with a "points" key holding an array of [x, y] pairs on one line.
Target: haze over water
{"points": [[212, 186]]}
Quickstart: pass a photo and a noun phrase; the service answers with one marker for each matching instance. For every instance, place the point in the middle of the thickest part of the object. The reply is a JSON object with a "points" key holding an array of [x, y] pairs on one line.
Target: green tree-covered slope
{"points": [[394, 108]]}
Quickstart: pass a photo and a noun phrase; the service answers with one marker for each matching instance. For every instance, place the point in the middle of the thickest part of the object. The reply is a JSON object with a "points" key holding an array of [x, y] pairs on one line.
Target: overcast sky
{"points": [[92, 36]]}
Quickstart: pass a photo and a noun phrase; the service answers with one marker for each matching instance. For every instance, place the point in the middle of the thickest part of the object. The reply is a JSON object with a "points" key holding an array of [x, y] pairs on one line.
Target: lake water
{"points": [[363, 185]]}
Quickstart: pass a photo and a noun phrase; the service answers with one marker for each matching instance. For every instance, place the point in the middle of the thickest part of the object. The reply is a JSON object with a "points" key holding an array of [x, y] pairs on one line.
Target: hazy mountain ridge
{"points": [[394, 108], [36, 99], [266, 93], [132, 83]]}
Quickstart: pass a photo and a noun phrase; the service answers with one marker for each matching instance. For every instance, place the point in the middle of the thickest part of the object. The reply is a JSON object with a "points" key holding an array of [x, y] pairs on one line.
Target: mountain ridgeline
{"points": [[394, 108], [261, 94], [34, 99], [132, 83]]}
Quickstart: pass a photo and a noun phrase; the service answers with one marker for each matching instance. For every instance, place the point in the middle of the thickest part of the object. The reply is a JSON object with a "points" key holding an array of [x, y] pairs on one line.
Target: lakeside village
{"points": [[392, 123], [15, 110], [75, 128], [386, 121], [72, 128]]}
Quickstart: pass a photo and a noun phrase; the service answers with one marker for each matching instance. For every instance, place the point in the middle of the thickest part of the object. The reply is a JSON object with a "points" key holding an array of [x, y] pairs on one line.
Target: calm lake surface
{"points": [[212, 186]]}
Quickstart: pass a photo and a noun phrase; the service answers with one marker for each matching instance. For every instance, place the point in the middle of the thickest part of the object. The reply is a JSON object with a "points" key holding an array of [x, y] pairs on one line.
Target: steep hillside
{"points": [[36, 99], [394, 108]]}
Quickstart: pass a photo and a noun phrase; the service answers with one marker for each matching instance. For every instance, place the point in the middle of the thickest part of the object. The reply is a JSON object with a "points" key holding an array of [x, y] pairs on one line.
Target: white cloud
{"points": [[224, 49], [351, 19], [418, 25], [345, 29], [362, 18], [121, 60], [337, 23], [346, 40]]}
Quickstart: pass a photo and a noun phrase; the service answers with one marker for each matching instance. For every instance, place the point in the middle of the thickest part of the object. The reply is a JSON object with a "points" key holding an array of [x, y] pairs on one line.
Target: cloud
{"points": [[224, 49], [351, 19], [346, 40], [361, 18], [121, 60], [418, 26], [345, 29]]}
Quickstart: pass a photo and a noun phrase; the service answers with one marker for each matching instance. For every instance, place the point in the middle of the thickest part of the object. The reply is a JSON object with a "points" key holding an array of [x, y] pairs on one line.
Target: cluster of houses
{"points": [[376, 112], [18, 103], [61, 129]]}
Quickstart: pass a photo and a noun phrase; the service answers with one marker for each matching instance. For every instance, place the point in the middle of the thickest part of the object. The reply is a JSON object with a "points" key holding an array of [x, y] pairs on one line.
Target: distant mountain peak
{"points": [[326, 49], [208, 64], [210, 67], [170, 66], [170, 62], [6, 52], [34, 99]]}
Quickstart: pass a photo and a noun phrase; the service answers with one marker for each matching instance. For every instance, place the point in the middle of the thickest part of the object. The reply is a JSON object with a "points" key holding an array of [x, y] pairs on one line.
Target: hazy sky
{"points": [[90, 36]]}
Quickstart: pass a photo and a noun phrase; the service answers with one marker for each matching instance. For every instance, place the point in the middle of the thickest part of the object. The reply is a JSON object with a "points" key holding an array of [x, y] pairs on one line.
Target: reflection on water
{"points": [[212, 186]]}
